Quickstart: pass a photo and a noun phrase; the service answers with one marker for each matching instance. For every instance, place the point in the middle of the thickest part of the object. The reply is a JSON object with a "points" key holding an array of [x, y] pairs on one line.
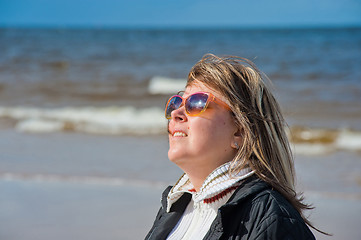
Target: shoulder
{"points": [[271, 203], [265, 213], [262, 198], [275, 216]]}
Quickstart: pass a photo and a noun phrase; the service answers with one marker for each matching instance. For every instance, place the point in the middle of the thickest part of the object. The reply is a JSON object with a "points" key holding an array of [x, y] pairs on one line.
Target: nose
{"points": [[179, 115]]}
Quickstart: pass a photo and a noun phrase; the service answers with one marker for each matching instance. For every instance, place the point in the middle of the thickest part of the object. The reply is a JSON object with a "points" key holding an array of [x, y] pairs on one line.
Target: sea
{"points": [[116, 81], [83, 136]]}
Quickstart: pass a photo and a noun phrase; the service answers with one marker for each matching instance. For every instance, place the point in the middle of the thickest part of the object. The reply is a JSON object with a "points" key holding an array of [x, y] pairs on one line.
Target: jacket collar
{"points": [[248, 187]]}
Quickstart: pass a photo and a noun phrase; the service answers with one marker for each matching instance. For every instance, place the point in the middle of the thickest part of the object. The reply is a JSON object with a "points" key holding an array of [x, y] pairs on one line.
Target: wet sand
{"points": [[75, 186]]}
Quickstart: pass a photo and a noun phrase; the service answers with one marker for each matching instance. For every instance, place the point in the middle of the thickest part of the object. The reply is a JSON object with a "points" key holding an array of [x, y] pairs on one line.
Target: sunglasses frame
{"points": [[211, 98]]}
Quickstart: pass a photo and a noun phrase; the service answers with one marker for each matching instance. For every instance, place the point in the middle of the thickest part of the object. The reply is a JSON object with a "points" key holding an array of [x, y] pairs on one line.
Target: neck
{"points": [[196, 181], [198, 170], [197, 176]]}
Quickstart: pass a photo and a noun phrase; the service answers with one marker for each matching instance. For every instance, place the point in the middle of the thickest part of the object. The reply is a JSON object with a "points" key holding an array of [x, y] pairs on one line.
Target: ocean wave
{"points": [[146, 121], [316, 141], [117, 181], [108, 120], [163, 85], [94, 180]]}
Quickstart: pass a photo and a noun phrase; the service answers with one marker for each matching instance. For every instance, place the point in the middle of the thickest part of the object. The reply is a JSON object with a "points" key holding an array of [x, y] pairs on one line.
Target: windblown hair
{"points": [[265, 148]]}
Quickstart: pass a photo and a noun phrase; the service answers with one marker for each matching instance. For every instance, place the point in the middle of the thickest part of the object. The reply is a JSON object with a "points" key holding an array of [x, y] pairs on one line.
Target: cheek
{"points": [[201, 136], [211, 135]]}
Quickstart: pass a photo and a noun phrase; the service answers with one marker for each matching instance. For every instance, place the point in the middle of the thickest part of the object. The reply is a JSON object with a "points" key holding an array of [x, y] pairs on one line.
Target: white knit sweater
{"points": [[202, 209]]}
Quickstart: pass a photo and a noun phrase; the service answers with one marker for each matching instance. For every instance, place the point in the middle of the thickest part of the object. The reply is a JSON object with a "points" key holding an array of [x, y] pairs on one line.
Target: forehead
{"points": [[197, 86]]}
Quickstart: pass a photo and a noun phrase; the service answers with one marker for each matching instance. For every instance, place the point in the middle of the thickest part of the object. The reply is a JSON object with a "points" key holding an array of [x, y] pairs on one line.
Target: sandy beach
{"points": [[110, 187]]}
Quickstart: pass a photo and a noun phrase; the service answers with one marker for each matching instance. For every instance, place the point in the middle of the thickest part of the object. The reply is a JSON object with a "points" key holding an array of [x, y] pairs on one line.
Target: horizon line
{"points": [[182, 27]]}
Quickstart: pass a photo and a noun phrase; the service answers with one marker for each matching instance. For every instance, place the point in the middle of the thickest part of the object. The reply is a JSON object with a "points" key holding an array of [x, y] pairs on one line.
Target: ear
{"points": [[237, 138]]}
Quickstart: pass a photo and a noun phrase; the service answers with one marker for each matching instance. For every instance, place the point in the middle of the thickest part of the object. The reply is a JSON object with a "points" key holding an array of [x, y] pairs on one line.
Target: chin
{"points": [[175, 157], [172, 157]]}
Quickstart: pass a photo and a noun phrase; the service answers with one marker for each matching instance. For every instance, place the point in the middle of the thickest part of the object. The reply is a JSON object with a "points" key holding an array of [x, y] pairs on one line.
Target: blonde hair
{"points": [[265, 146]]}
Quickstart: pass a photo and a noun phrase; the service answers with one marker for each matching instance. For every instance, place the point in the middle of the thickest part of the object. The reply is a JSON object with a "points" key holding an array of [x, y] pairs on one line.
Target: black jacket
{"points": [[255, 211]]}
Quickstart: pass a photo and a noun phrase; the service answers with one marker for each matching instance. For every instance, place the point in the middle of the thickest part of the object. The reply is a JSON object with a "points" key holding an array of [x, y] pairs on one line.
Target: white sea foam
{"points": [[145, 121], [163, 85], [93, 180], [313, 149], [109, 120], [349, 140], [318, 141], [39, 125], [117, 181]]}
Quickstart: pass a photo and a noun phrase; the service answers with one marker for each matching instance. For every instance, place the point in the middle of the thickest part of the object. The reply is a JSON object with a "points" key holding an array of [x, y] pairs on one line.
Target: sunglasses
{"points": [[194, 104]]}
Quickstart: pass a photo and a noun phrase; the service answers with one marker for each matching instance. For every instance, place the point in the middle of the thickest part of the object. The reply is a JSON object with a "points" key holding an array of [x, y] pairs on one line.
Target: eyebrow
{"points": [[180, 92]]}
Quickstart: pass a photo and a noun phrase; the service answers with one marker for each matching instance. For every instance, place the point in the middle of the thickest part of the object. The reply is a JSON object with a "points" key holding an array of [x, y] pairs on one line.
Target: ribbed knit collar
{"points": [[216, 183]]}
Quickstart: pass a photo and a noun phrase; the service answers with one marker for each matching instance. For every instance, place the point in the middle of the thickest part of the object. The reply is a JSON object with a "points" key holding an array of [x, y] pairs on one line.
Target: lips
{"points": [[179, 133]]}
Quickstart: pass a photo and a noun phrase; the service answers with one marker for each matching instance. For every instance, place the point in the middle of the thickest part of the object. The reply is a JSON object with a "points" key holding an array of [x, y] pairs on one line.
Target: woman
{"points": [[226, 132]]}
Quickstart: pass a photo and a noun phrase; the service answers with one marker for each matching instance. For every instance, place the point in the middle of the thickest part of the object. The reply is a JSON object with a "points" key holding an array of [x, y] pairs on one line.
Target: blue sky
{"points": [[180, 13]]}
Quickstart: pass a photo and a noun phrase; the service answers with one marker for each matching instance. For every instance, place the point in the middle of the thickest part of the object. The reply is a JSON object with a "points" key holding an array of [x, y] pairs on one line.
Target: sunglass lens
{"points": [[196, 103], [174, 103]]}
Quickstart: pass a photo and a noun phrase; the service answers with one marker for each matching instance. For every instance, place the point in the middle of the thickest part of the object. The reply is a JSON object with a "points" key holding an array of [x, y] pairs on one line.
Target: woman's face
{"points": [[203, 142]]}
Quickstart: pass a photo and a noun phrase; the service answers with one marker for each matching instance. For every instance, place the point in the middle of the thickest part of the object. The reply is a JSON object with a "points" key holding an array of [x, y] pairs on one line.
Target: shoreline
{"points": [[44, 210], [78, 186]]}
